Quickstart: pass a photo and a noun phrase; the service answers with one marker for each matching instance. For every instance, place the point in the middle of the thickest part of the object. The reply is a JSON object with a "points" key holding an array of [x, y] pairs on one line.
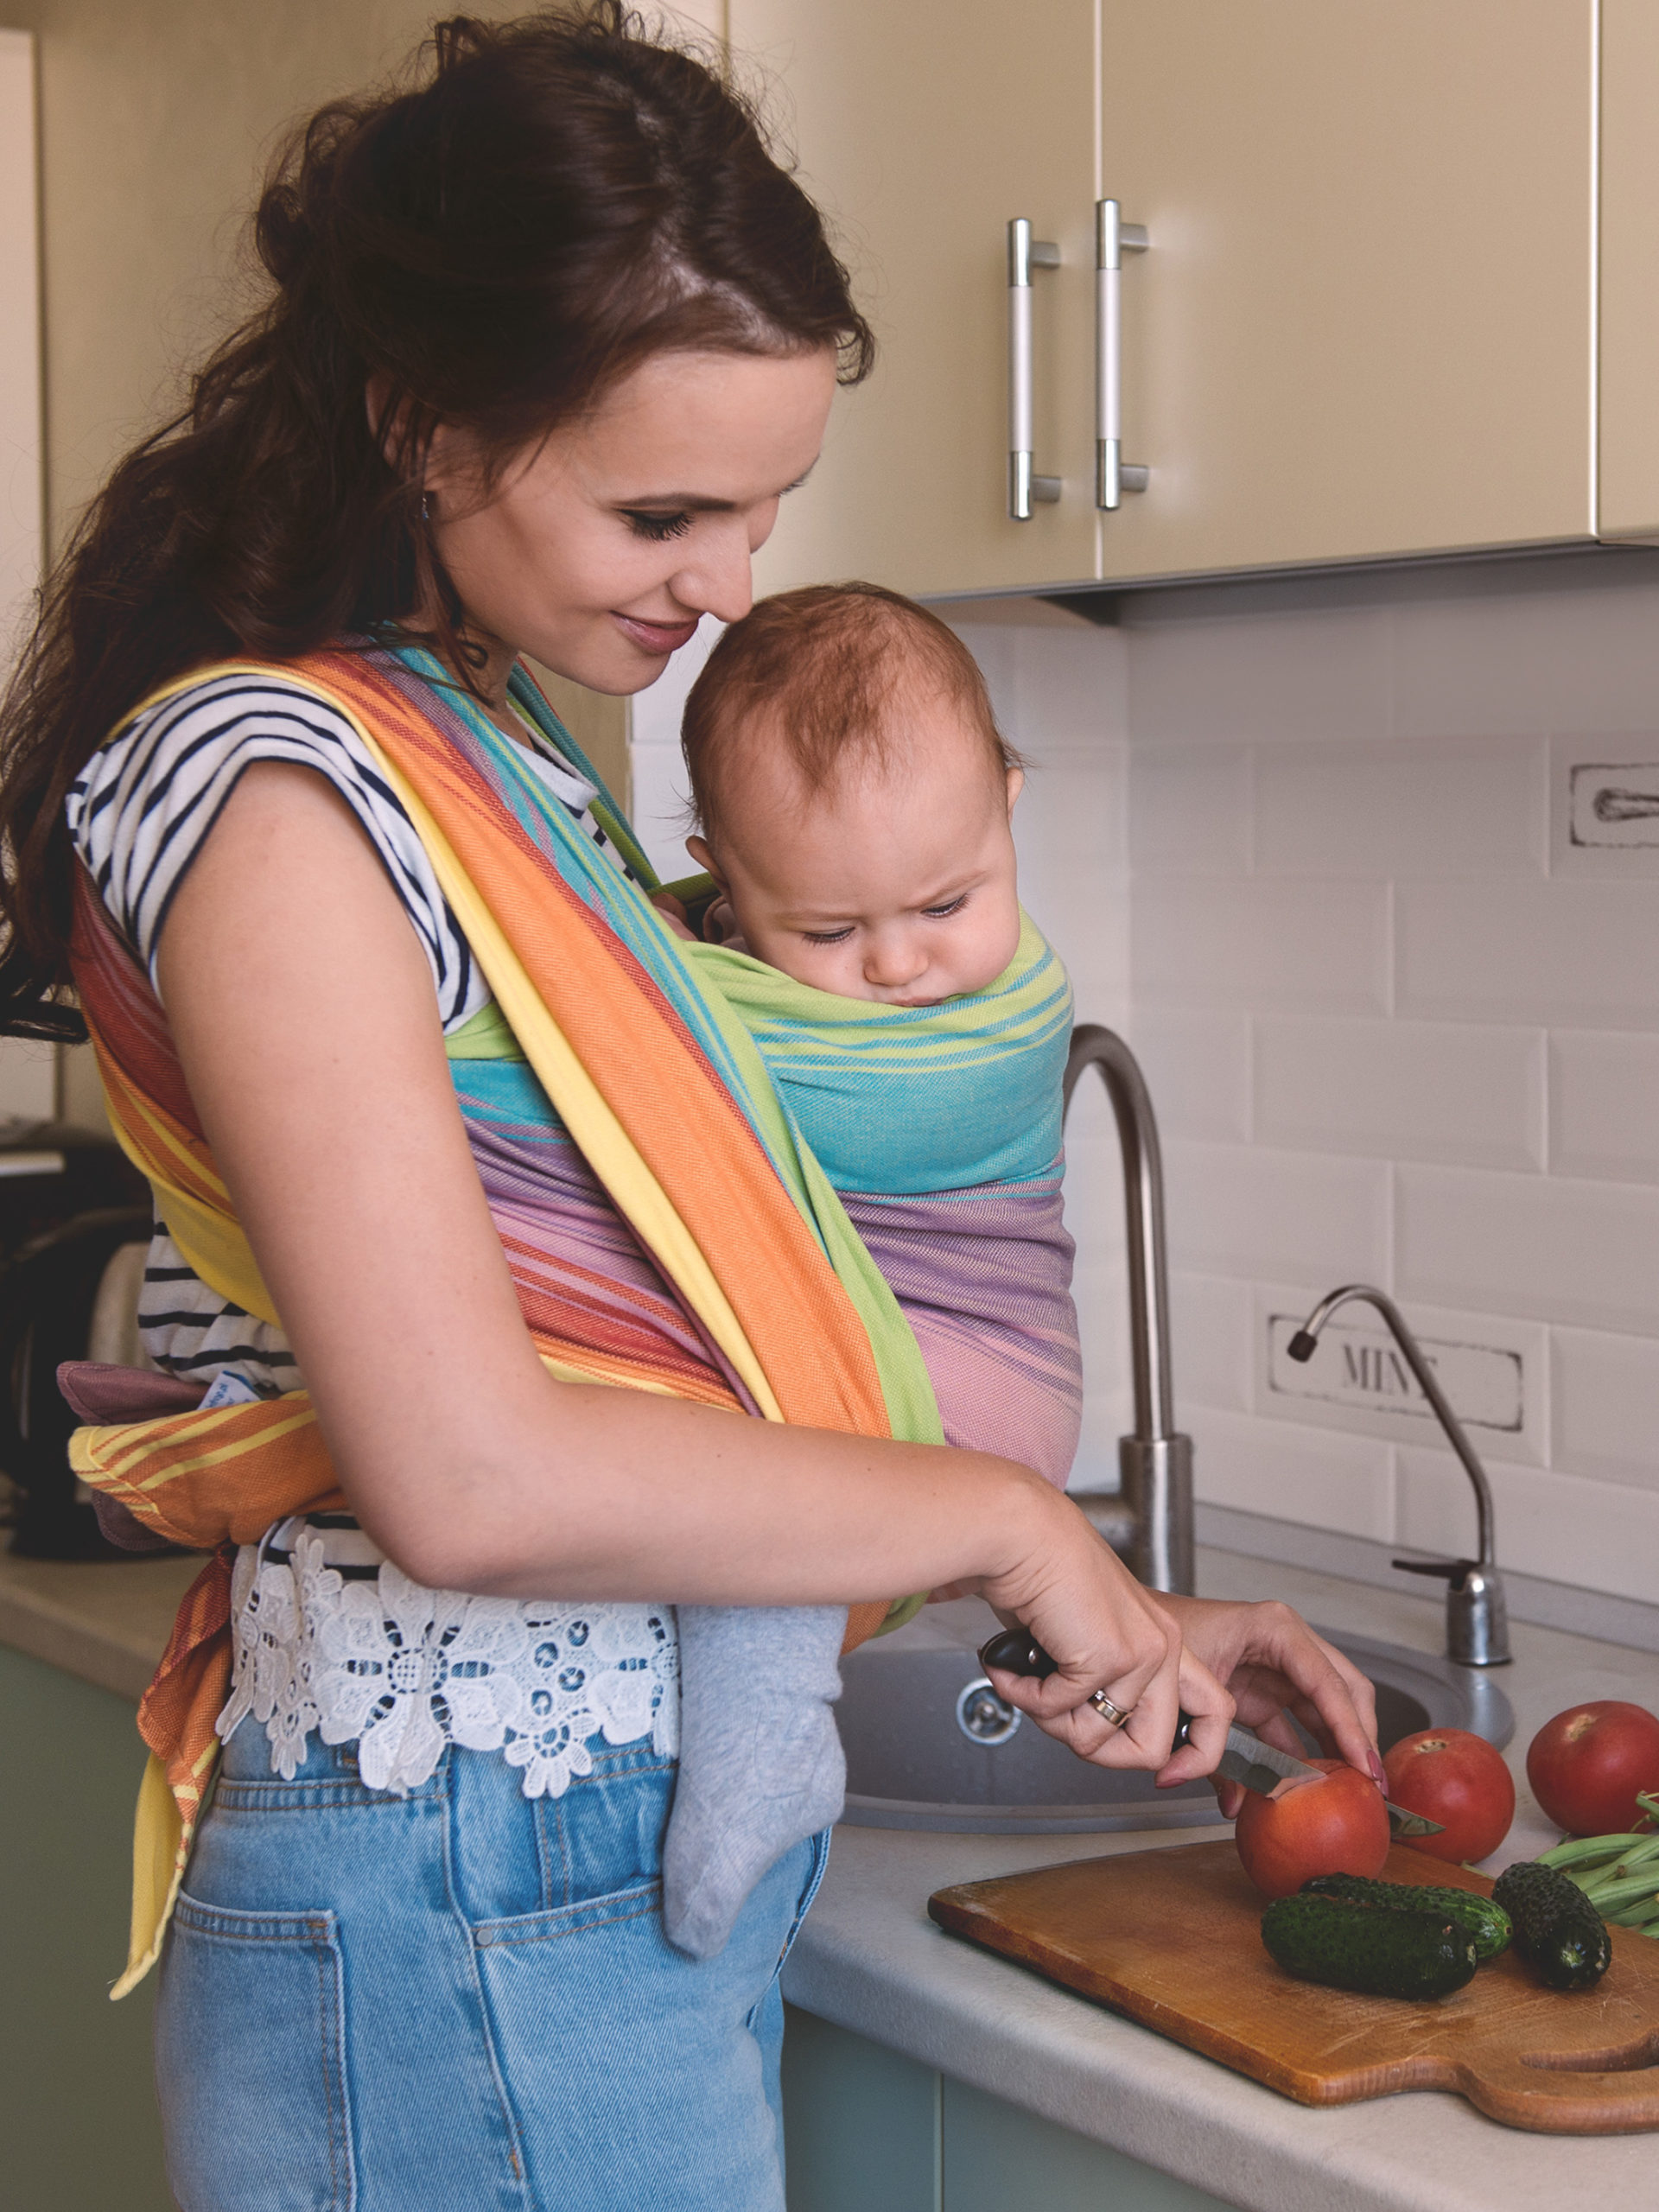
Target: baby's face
{"points": [[896, 885]]}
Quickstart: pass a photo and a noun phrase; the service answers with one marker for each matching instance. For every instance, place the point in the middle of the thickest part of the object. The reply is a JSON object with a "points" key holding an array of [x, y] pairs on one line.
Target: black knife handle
{"points": [[1016, 1651]]}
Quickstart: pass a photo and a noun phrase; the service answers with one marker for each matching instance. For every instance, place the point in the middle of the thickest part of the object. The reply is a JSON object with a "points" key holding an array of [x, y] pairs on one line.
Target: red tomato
{"points": [[1587, 1764], [1334, 1827], [1457, 1779]]}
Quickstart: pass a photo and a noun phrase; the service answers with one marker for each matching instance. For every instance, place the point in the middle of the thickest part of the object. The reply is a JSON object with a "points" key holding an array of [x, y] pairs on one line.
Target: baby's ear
{"points": [[1016, 784], [703, 853]]}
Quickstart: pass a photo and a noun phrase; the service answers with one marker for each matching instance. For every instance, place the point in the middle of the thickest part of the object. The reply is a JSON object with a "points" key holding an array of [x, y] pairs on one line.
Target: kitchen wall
{"points": [[1394, 974]]}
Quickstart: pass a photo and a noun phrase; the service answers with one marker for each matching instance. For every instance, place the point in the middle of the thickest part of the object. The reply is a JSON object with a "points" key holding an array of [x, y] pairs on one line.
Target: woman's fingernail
{"points": [[1379, 1774]]}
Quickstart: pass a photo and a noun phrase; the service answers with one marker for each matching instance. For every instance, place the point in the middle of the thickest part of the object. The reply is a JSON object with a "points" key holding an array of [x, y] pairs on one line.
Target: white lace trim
{"points": [[401, 1670]]}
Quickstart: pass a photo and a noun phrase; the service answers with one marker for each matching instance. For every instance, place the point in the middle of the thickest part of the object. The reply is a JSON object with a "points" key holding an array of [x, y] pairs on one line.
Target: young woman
{"points": [[549, 336]]}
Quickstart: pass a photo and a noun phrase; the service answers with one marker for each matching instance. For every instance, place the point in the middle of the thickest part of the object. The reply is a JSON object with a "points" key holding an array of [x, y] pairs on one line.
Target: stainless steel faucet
{"points": [[1477, 1617], [1149, 1520]]}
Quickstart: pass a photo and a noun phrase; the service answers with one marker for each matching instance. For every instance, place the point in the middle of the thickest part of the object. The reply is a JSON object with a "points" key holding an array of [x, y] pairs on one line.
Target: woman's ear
{"points": [[1016, 784]]}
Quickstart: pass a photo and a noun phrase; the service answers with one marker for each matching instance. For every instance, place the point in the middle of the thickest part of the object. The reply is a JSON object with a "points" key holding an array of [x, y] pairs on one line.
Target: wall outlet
{"points": [[1604, 807]]}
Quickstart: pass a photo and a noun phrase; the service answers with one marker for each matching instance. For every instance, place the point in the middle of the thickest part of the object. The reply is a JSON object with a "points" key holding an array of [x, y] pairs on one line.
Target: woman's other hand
{"points": [[1275, 1668]]}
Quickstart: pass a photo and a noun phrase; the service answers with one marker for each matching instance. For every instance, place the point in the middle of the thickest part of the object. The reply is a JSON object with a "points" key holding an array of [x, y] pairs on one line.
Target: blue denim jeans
{"points": [[462, 2000]]}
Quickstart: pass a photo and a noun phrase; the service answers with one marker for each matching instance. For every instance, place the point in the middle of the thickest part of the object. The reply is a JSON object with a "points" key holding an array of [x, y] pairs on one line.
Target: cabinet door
{"points": [[1363, 327], [1628, 417], [922, 128]]}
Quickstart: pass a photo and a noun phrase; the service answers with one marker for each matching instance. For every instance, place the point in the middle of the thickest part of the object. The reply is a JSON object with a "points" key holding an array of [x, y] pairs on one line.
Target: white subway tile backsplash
{"points": [[1197, 1069], [1574, 953], [1603, 1105], [1301, 1217], [1529, 1244], [1435, 1090], [1071, 687], [1318, 1477], [1189, 811], [1530, 662], [1564, 1528], [1463, 808], [995, 646], [1605, 1401], [1270, 676], [1069, 832], [1210, 1332], [1284, 946]]}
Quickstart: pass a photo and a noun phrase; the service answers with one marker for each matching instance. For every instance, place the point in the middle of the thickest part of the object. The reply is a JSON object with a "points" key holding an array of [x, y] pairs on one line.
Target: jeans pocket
{"points": [[251, 2061]]}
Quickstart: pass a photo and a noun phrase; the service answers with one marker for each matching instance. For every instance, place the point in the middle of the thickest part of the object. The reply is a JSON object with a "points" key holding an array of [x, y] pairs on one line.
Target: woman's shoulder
{"points": [[169, 743], [145, 803]]}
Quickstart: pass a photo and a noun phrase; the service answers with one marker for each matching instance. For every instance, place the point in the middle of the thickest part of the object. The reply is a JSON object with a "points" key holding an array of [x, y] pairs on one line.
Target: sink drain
{"points": [[984, 1718]]}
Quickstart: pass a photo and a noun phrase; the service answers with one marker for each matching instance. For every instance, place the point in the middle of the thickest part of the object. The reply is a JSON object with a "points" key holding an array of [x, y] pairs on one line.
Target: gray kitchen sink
{"points": [[920, 1727]]}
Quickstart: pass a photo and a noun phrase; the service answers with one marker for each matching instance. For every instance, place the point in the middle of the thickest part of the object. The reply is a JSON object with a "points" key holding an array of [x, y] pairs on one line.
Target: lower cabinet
{"points": [[867, 2130], [78, 2127]]}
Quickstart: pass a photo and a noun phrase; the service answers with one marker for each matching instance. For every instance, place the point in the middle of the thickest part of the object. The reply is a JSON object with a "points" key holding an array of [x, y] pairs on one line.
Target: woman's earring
{"points": [[426, 506]]}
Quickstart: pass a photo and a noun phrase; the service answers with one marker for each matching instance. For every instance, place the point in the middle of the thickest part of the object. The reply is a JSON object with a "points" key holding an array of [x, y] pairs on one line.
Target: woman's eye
{"points": [[827, 936], [950, 907], [658, 528]]}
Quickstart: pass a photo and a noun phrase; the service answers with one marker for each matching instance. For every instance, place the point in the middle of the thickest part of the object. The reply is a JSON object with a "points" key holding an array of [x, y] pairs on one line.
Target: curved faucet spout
{"points": [[1477, 1617], [1150, 1520]]}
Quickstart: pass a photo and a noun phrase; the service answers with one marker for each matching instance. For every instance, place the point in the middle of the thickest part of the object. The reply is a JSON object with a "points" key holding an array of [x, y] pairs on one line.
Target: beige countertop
{"points": [[105, 1620], [870, 1960]]}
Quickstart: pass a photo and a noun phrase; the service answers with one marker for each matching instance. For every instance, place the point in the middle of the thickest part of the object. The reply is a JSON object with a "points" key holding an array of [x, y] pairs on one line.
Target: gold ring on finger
{"points": [[1113, 1715]]}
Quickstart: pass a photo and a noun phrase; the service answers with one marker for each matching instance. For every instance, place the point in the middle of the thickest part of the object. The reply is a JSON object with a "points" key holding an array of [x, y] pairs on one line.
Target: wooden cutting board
{"points": [[1173, 1938]]}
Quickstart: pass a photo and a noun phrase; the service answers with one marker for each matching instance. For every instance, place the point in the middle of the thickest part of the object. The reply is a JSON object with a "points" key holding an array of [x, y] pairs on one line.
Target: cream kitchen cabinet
{"points": [[1401, 296]]}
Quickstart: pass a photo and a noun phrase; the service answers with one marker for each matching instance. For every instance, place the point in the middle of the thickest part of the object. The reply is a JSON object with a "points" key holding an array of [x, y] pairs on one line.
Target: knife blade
{"points": [[1247, 1760]]}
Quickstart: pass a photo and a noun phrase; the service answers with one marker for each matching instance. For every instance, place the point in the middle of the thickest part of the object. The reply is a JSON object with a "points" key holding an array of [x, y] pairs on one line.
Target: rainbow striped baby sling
{"points": [[771, 1302]]}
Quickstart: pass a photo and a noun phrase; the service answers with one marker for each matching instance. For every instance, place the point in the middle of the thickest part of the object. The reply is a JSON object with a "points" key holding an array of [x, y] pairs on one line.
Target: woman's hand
{"points": [[1276, 1667], [1073, 1593]]}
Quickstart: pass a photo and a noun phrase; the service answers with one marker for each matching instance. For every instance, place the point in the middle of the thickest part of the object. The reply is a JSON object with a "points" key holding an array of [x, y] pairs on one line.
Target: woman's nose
{"points": [[719, 581]]}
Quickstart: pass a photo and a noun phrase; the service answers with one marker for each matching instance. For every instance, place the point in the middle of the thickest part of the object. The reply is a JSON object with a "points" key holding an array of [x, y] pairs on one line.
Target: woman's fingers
{"points": [[1276, 1729], [1210, 1709], [1252, 1647], [1140, 1676]]}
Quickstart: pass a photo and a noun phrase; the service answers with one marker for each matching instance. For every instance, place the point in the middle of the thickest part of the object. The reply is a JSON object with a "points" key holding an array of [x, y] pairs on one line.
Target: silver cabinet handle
{"points": [[1114, 238], [1025, 254]]}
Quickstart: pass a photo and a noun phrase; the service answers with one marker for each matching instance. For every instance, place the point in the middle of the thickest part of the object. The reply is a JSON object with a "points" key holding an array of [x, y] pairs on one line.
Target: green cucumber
{"points": [[1557, 1930], [1487, 1923], [1410, 1954]]}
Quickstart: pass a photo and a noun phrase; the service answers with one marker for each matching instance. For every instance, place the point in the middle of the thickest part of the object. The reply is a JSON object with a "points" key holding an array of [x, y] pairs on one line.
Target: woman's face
{"points": [[602, 548]]}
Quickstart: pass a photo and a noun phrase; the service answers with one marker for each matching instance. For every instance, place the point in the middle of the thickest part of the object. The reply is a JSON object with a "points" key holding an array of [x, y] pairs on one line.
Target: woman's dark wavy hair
{"points": [[546, 203]]}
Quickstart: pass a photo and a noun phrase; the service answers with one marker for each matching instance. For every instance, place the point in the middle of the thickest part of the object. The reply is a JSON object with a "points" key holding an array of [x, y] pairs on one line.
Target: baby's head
{"points": [[853, 796]]}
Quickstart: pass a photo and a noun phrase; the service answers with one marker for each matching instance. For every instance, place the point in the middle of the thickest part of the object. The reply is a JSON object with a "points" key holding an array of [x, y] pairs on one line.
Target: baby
{"points": [[854, 797]]}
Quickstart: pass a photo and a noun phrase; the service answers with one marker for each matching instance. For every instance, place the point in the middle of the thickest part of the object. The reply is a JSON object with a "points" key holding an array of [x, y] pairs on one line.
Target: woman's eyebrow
{"points": [[696, 503], [700, 503]]}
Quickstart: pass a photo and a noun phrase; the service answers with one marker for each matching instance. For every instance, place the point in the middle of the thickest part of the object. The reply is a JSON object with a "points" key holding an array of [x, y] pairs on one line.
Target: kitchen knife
{"points": [[1247, 1759]]}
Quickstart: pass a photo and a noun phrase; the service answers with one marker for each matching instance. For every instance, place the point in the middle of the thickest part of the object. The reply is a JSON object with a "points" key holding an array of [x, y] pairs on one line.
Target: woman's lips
{"points": [[658, 638]]}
